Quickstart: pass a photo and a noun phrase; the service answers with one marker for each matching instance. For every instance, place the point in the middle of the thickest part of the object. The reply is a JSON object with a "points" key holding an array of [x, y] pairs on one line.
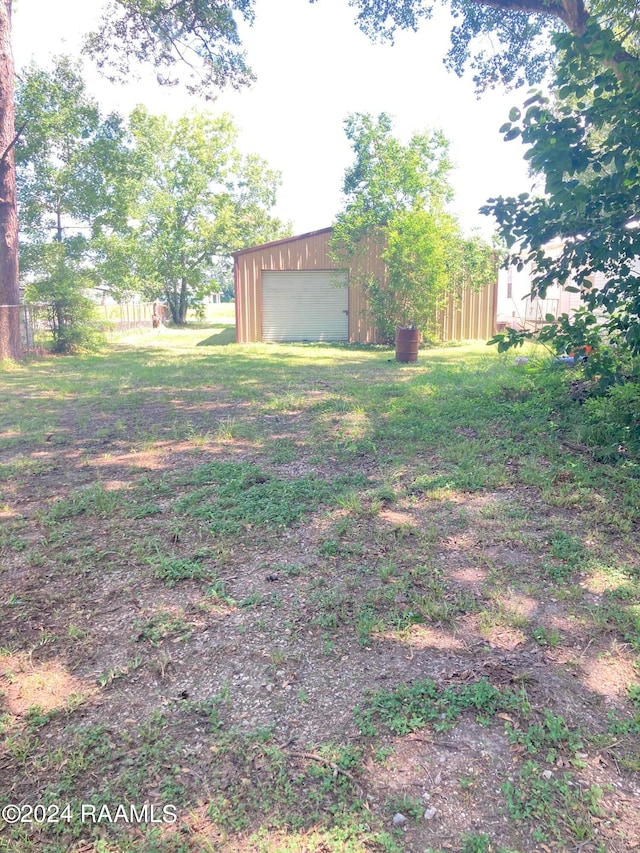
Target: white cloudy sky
{"points": [[314, 67]]}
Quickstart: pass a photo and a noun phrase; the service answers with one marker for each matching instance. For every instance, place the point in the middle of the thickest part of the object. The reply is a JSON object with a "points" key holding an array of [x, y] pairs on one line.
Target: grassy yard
{"points": [[303, 598]]}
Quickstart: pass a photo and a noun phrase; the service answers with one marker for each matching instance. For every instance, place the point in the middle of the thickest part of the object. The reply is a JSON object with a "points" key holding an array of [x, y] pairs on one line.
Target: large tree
{"points": [[69, 164], [520, 33], [194, 199], [198, 38], [395, 195], [584, 142], [69, 155]]}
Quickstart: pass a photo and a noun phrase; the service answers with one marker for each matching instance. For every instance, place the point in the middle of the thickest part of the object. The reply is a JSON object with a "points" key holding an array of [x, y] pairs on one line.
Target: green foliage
{"points": [[154, 211], [612, 422], [159, 627], [556, 805], [194, 199], [67, 157], [172, 568], [67, 160], [94, 501], [610, 392], [199, 39], [586, 149], [61, 284], [414, 706], [233, 496], [520, 48], [551, 735], [395, 198], [417, 255]]}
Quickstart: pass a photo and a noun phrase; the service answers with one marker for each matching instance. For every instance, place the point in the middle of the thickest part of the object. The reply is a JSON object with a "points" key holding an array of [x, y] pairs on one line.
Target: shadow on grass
{"points": [[222, 338]]}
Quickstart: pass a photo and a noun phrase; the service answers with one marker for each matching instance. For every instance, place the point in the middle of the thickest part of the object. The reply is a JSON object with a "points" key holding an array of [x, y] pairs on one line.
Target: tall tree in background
{"points": [[583, 141], [520, 33], [194, 199], [197, 37], [395, 195], [70, 165]]}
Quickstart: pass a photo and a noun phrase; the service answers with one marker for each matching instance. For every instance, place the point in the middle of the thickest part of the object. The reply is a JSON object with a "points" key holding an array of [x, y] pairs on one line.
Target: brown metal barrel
{"points": [[407, 344]]}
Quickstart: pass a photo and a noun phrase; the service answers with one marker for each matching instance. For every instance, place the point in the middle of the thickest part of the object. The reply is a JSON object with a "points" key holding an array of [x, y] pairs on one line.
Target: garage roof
{"points": [[280, 242]]}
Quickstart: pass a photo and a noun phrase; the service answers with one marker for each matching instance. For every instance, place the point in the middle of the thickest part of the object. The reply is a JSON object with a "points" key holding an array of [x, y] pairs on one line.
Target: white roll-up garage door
{"points": [[305, 305]]}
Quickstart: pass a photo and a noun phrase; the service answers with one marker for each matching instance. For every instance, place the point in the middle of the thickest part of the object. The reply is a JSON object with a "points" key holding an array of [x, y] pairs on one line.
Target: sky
{"points": [[314, 67]]}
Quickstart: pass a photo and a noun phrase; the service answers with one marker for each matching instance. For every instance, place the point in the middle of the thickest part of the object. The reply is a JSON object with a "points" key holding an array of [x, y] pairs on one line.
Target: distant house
{"points": [[292, 290], [518, 309]]}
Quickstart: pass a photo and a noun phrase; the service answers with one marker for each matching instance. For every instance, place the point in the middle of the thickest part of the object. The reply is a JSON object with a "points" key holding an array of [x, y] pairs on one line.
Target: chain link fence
{"points": [[36, 321]]}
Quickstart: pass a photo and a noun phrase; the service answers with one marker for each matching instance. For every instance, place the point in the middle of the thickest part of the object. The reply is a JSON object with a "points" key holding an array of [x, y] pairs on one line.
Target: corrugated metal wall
{"points": [[471, 317]]}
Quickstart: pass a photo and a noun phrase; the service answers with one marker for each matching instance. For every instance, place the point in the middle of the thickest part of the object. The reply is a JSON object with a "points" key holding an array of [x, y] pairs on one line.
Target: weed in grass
{"points": [[351, 501], [557, 809], [116, 672], [498, 616], [618, 726], [238, 495], [546, 636], [254, 599], [633, 692], [277, 658], [21, 748], [11, 540], [154, 487], [475, 843], [36, 717], [161, 626], [334, 608], [210, 708], [625, 618], [328, 647], [405, 805], [75, 633], [287, 792], [194, 436], [329, 548], [172, 569], [386, 494], [291, 570], [217, 593], [283, 451], [93, 500], [143, 510], [231, 429], [387, 571], [564, 546], [415, 706], [551, 736]]}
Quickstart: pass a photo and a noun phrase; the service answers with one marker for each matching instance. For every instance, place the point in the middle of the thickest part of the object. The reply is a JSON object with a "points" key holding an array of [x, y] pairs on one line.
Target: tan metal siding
{"points": [[369, 265], [308, 252], [471, 317]]}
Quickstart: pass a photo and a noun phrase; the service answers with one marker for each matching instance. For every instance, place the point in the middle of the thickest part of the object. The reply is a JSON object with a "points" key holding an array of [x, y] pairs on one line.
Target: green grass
{"points": [[421, 704], [259, 576]]}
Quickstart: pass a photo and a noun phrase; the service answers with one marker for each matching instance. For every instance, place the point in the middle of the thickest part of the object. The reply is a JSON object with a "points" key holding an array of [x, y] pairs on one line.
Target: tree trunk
{"points": [[184, 303], [10, 346]]}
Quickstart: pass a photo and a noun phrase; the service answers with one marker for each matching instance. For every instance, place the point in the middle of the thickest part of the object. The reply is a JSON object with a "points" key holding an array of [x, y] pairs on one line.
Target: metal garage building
{"points": [[291, 290]]}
